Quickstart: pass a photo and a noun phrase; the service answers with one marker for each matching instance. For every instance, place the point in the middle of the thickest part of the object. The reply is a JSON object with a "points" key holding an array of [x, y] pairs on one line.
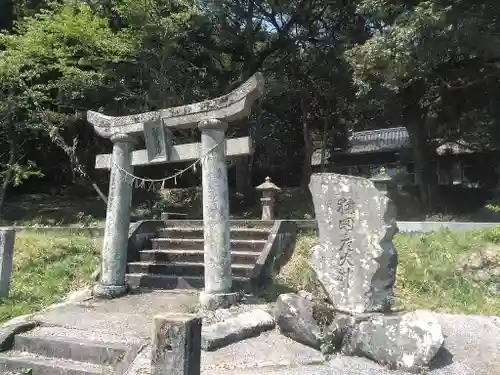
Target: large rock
{"points": [[406, 341], [234, 329], [355, 260], [294, 317], [481, 265], [311, 323]]}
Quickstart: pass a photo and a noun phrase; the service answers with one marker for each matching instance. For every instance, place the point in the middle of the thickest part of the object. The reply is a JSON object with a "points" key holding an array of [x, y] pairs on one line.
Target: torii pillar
{"points": [[216, 228], [211, 117], [114, 258]]}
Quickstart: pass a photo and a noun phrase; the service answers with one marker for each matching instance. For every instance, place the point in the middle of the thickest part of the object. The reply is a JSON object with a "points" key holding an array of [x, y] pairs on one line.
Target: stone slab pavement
{"points": [[132, 316], [128, 315], [472, 343], [268, 350]]}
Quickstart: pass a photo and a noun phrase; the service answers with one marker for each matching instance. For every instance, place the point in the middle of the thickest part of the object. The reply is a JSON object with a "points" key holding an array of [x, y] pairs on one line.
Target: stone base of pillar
{"points": [[109, 291], [214, 301]]}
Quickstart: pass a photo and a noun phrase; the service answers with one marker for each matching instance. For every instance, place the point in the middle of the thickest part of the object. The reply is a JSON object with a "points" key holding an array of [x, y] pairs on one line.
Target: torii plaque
{"points": [[211, 117]]}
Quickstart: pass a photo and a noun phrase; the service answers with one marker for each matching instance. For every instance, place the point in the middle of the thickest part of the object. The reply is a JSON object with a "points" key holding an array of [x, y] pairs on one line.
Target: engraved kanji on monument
{"points": [[355, 259]]}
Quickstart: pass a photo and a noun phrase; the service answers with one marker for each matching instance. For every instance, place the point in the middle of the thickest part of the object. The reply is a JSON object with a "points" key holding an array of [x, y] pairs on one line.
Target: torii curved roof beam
{"points": [[230, 107]]}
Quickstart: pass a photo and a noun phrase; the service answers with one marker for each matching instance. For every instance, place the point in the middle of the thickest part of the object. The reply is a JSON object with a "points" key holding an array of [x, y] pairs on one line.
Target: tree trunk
{"points": [[77, 167], [59, 141], [425, 172], [308, 146], [99, 191], [417, 120], [10, 171], [324, 143]]}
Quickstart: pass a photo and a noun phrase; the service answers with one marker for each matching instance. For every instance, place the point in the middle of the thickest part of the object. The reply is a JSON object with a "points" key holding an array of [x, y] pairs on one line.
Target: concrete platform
{"points": [[472, 343]]}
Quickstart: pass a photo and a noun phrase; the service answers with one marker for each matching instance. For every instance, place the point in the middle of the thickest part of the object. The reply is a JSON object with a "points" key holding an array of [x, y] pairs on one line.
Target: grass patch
{"points": [[295, 275], [47, 267], [426, 275]]}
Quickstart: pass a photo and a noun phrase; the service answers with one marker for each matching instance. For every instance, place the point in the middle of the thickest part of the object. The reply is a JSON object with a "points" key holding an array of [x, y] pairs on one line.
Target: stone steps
{"points": [[234, 224], [175, 258], [197, 232], [66, 351], [176, 255], [160, 281], [40, 365], [183, 268], [197, 243]]}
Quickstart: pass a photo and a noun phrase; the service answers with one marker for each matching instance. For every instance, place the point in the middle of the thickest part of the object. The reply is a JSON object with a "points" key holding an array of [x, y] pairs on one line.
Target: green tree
{"points": [[53, 67], [239, 38], [299, 46], [13, 10], [430, 58], [160, 74]]}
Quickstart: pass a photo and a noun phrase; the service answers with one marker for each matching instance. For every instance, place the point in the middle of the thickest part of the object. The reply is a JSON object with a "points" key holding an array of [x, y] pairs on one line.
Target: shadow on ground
{"points": [[442, 359]]}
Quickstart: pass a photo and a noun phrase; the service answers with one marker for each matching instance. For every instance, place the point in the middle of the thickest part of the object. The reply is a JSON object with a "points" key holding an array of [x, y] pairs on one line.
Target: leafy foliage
{"points": [[432, 62], [436, 52], [424, 64], [52, 68]]}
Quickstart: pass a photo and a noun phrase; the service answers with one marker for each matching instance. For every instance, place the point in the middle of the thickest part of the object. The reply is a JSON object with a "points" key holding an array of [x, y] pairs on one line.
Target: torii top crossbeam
{"points": [[230, 107]]}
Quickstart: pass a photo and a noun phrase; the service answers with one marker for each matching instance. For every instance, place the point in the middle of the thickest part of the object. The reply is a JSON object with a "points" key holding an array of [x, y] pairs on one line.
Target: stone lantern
{"points": [[268, 192], [382, 181]]}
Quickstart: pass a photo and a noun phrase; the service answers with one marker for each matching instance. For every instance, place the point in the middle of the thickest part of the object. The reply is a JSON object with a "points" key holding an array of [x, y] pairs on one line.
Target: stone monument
{"points": [[7, 239], [211, 117], [355, 259]]}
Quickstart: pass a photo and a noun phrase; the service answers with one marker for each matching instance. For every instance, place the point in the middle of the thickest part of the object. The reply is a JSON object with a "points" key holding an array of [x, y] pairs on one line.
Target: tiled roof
{"points": [[380, 140], [393, 139]]}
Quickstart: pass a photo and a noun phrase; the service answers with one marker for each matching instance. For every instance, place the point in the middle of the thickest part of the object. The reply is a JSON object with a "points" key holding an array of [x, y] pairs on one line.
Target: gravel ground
{"points": [[472, 347], [343, 366]]}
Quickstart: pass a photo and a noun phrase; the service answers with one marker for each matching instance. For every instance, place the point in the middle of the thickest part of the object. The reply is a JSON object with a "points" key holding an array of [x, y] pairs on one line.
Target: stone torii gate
{"points": [[211, 117]]}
